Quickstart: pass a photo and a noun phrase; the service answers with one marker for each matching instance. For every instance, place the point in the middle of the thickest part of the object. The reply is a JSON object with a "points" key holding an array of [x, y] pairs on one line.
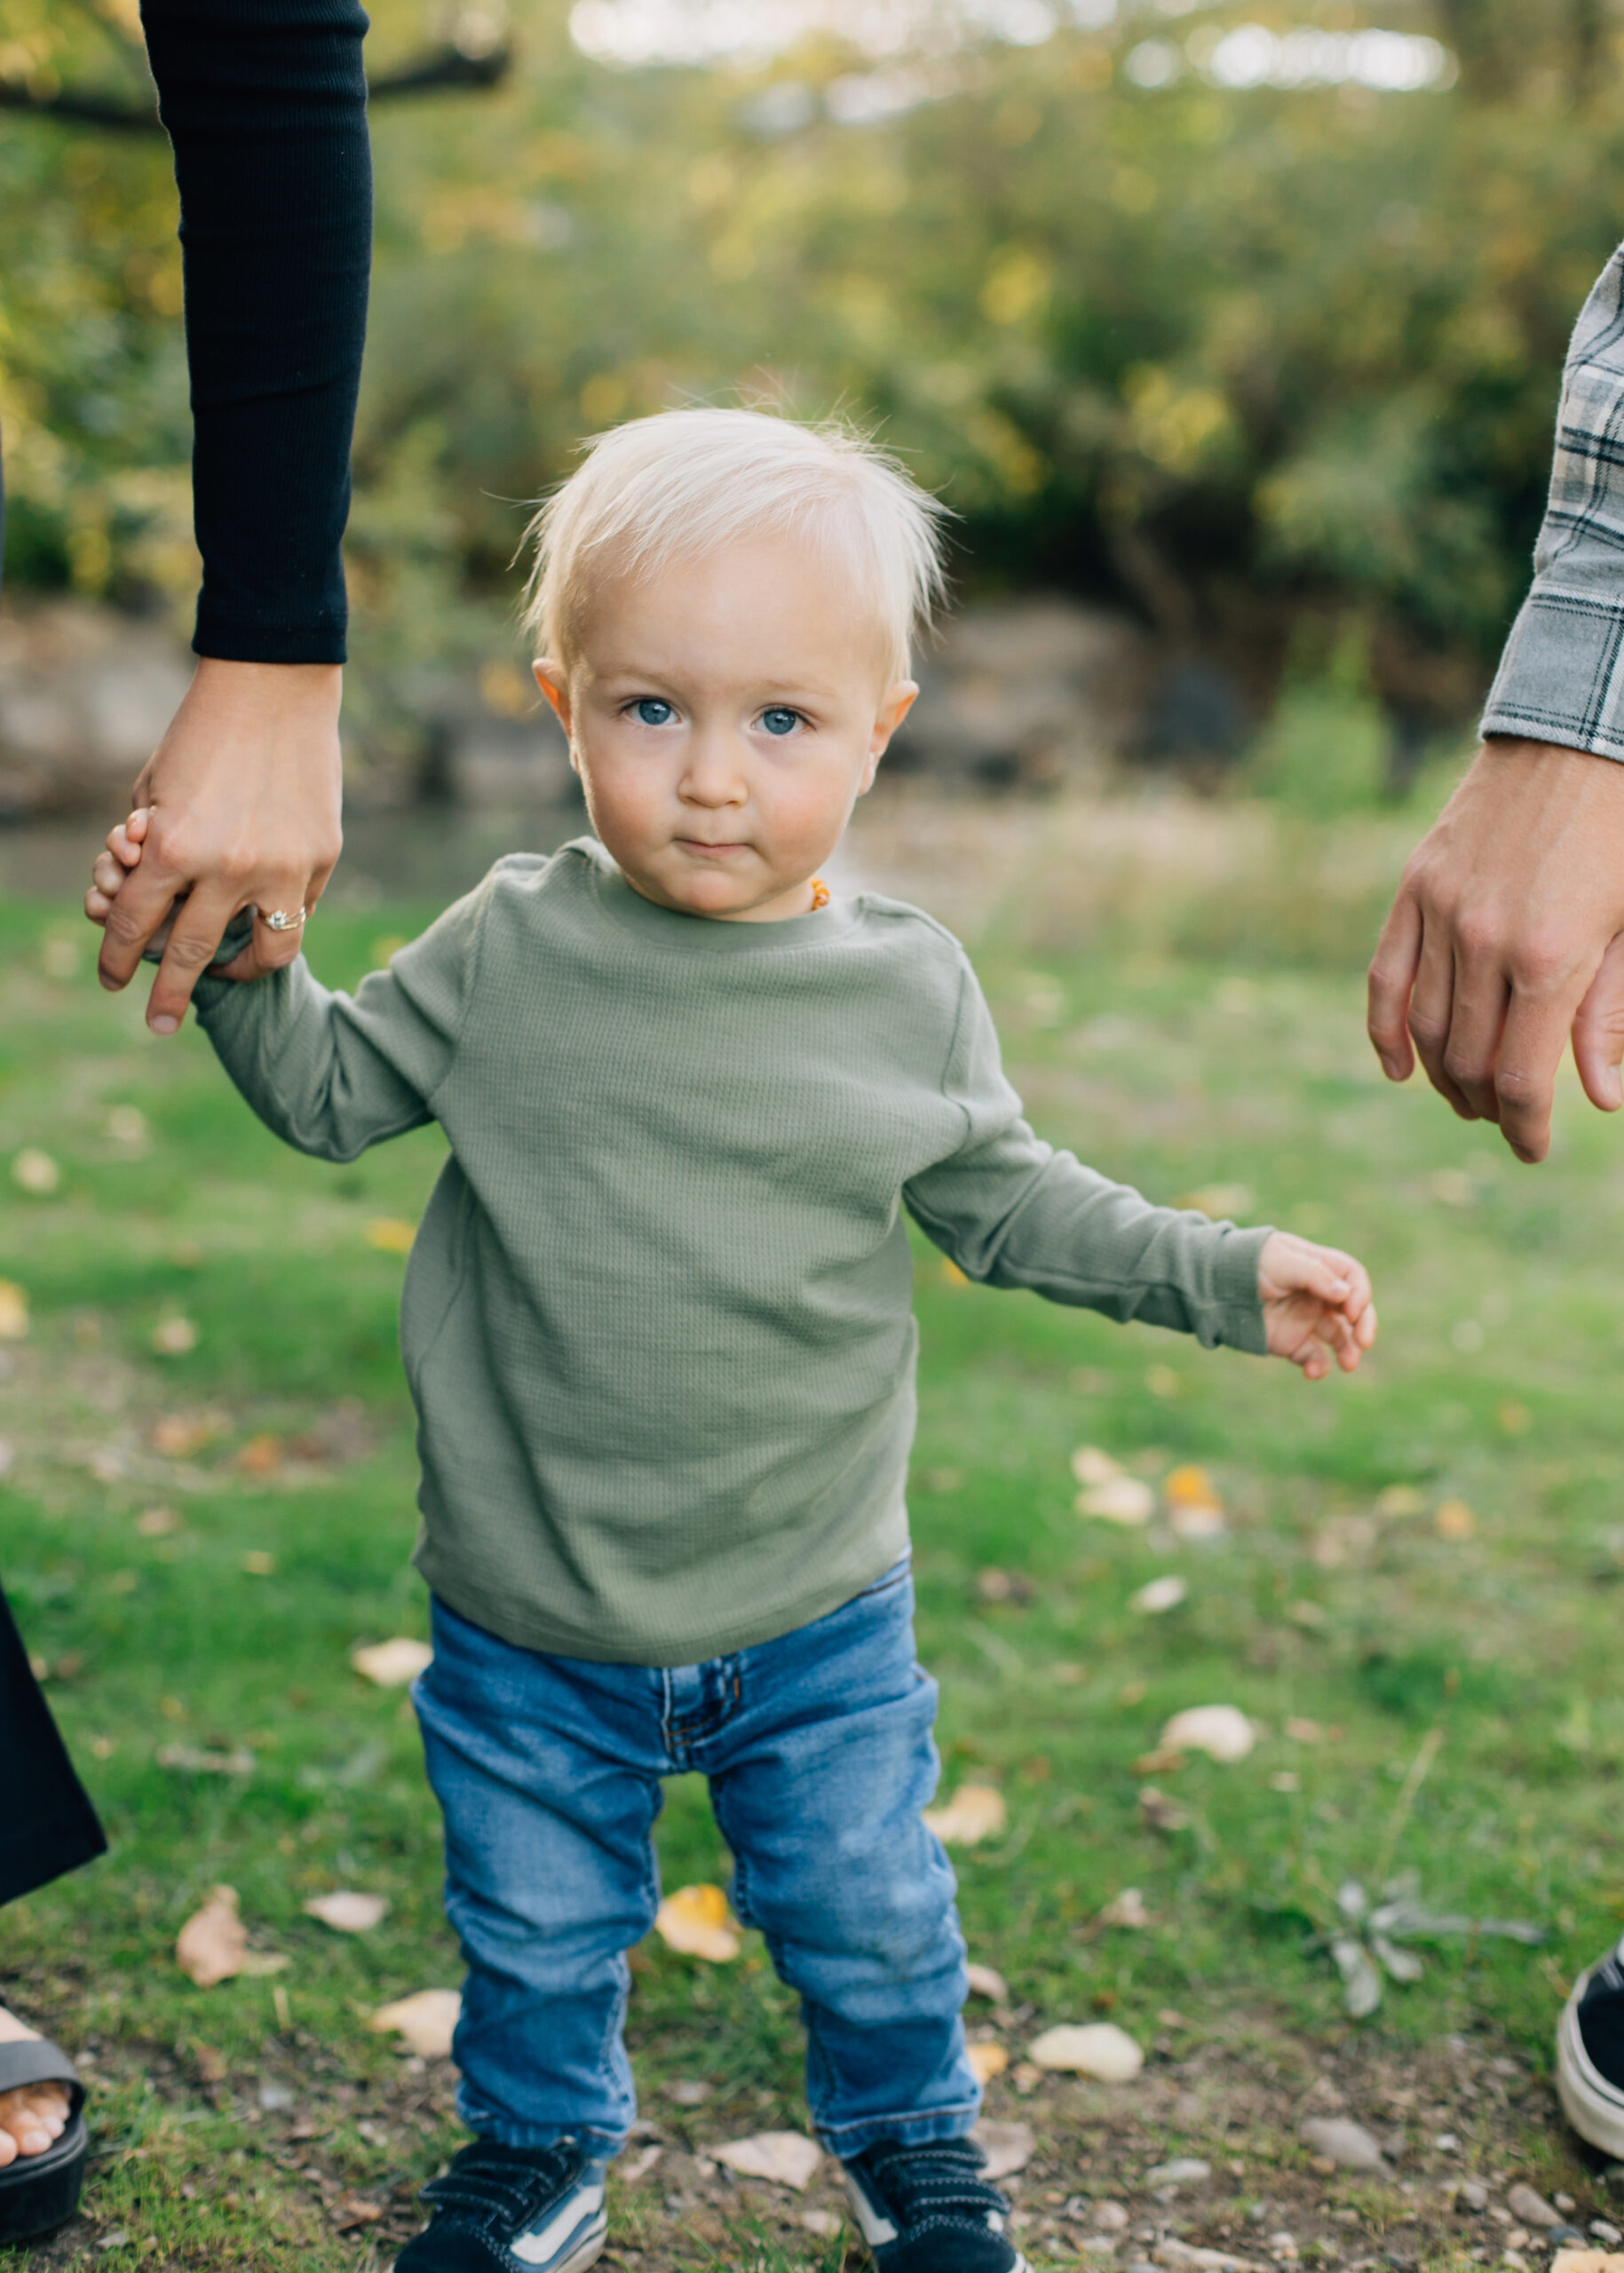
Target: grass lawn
{"points": [[1417, 1596]]}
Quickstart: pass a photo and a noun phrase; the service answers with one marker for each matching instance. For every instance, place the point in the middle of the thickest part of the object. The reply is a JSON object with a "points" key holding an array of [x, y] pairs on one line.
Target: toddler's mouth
{"points": [[709, 850]]}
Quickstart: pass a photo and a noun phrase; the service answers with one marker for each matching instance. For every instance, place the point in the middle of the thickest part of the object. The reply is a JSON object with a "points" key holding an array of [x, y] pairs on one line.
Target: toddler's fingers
{"points": [[106, 875], [96, 906]]}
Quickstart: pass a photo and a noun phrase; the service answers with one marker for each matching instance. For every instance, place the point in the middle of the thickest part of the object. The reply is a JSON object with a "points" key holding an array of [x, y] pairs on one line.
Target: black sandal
{"points": [[40, 2191]]}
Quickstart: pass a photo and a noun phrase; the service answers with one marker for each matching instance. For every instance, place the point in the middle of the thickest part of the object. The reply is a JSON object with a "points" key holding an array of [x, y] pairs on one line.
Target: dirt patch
{"points": [[1459, 2123]]}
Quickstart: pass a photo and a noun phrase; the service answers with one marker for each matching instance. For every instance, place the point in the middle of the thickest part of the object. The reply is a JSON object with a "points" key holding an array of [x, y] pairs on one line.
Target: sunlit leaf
{"points": [[392, 1664], [696, 1922], [427, 2021], [975, 1812], [785, 2157], [1100, 2049], [1223, 1731]]}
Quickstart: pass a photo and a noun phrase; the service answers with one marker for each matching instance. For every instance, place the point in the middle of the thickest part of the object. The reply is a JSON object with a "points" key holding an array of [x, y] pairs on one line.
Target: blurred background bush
{"points": [[1233, 331]]}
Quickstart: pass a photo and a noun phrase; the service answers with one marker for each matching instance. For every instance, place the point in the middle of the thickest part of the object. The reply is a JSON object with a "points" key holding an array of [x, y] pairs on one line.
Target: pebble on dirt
{"points": [[1349, 2145]]}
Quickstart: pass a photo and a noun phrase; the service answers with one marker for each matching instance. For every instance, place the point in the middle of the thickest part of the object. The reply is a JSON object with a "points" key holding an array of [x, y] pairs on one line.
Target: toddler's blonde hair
{"points": [[686, 483]]}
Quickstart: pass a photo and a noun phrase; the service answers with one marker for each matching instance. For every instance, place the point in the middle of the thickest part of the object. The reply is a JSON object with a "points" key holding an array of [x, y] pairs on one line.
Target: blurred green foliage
{"points": [[1245, 359]]}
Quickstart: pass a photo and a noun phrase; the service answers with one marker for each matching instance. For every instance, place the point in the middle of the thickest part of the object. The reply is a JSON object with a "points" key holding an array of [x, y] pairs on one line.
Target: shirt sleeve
{"points": [[1011, 1211], [1561, 678], [265, 104], [333, 1073]]}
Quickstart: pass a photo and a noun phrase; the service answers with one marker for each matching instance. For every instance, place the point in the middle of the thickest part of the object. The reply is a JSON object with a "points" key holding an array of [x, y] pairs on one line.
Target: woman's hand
{"points": [[242, 797]]}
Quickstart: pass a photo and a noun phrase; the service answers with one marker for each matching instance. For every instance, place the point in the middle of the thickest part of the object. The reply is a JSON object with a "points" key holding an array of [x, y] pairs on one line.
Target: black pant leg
{"points": [[47, 1824]]}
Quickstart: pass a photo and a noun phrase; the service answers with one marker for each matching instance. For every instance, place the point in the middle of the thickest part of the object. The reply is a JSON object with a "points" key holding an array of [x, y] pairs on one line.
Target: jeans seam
{"points": [[890, 2126]]}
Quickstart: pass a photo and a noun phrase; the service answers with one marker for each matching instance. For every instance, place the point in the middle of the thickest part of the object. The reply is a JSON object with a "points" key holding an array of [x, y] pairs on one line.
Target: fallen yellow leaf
{"points": [[13, 1311], [986, 2061], [1455, 1520], [213, 1941], [347, 1912], [212, 1945], [695, 1921], [975, 1812], [174, 1337], [391, 1664], [785, 2158], [427, 2021], [36, 1172], [1102, 2050], [391, 1234]]}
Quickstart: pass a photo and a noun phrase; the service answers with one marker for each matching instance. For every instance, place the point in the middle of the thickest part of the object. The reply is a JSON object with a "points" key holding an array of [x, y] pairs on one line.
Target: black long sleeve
{"points": [[265, 104]]}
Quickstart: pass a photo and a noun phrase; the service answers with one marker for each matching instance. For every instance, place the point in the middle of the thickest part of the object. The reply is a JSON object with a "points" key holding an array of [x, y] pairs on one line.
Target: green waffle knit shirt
{"points": [[657, 1322]]}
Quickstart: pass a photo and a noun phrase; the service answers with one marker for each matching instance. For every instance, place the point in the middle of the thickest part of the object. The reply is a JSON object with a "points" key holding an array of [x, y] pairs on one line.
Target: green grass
{"points": [[1212, 1036]]}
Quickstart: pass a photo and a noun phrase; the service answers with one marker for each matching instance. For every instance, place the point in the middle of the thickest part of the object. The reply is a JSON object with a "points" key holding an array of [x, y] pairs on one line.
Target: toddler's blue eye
{"points": [[779, 721], [654, 712]]}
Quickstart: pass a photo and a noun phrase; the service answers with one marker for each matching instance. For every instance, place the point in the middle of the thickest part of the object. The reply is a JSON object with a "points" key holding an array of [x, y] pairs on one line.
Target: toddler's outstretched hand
{"points": [[122, 853], [1317, 1304]]}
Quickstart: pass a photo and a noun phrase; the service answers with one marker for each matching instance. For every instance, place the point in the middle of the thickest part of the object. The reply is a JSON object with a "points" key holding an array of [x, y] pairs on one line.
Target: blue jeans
{"points": [[818, 1750]]}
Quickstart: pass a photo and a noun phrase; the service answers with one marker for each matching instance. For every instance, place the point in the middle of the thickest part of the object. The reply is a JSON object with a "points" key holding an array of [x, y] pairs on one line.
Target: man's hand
{"points": [[244, 792], [1506, 937]]}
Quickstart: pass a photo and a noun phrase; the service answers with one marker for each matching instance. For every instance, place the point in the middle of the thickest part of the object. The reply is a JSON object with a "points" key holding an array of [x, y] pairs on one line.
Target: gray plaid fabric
{"points": [[1561, 678]]}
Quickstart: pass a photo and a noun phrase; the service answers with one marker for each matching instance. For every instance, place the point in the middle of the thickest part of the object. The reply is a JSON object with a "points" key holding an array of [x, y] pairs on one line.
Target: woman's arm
{"points": [[264, 101]]}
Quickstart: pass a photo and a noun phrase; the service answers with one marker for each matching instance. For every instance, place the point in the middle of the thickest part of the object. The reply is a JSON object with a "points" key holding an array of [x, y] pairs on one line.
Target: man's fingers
{"points": [[1480, 996], [1599, 1032], [191, 949], [1392, 974], [1536, 1033], [1431, 1012]]}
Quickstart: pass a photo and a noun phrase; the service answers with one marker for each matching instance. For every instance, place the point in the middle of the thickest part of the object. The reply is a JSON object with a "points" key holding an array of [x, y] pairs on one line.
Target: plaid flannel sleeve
{"points": [[1561, 678]]}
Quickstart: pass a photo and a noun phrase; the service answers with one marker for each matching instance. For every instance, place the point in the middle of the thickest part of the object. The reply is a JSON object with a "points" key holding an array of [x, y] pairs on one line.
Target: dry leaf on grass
{"points": [[212, 1945], [427, 2021], [347, 1912], [986, 2060], [1126, 1499], [1455, 1520], [36, 1172], [975, 1812], [1007, 2147], [351, 2211], [1586, 2260], [1157, 1812], [1089, 1465], [391, 1234], [13, 1311], [185, 1759], [1222, 1731], [1159, 1596], [696, 1922], [987, 1981], [785, 2157], [174, 1337], [1101, 2050], [392, 1664], [1126, 1909]]}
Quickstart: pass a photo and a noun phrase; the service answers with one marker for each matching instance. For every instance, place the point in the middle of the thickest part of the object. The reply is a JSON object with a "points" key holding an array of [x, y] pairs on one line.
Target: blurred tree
{"points": [[1274, 365]]}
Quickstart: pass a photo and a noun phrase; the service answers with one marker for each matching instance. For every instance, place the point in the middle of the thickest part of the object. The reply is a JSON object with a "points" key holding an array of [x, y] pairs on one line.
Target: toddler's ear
{"points": [[554, 684], [899, 700]]}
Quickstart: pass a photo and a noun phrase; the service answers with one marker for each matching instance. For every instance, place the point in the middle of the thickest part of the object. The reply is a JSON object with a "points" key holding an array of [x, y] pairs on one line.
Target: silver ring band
{"points": [[277, 919]]}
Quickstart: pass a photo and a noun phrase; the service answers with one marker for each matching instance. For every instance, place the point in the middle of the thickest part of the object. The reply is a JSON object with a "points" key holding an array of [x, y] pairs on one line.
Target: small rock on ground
{"points": [[1349, 2145]]}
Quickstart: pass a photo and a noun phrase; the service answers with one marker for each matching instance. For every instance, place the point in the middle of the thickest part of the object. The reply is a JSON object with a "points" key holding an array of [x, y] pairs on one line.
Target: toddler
{"points": [[657, 1323]]}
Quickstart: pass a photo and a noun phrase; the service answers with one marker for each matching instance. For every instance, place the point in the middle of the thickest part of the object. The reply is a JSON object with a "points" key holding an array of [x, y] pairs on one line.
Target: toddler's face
{"points": [[725, 716]]}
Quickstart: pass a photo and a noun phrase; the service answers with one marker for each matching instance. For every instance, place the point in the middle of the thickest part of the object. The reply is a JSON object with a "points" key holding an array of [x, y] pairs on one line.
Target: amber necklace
{"points": [[820, 895]]}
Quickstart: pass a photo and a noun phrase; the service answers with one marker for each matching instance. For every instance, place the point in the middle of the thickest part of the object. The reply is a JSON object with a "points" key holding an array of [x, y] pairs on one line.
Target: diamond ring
{"points": [[277, 919]]}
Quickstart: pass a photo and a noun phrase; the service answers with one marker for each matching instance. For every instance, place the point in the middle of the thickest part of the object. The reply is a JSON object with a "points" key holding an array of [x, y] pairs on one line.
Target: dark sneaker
{"points": [[1590, 2055], [929, 2210], [512, 2210]]}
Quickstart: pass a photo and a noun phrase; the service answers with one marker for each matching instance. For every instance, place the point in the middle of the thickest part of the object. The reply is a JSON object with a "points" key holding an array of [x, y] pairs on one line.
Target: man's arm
{"points": [[264, 101], [1505, 936]]}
